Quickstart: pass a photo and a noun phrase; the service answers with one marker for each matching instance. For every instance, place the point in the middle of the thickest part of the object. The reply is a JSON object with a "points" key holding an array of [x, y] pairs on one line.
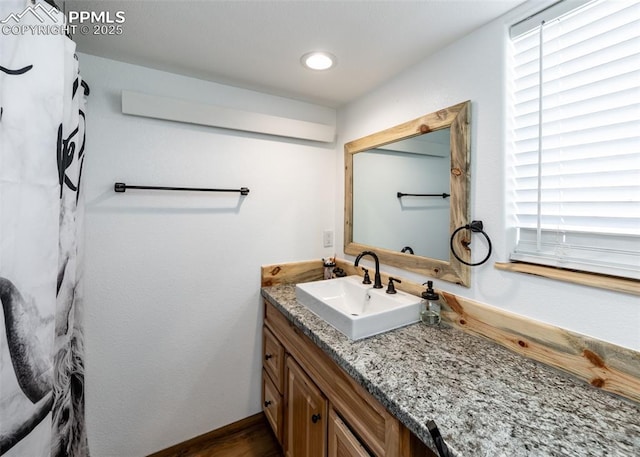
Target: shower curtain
{"points": [[42, 130]]}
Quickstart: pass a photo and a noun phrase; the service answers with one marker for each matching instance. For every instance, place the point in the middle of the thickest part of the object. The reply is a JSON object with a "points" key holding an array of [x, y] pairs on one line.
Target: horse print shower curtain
{"points": [[42, 125]]}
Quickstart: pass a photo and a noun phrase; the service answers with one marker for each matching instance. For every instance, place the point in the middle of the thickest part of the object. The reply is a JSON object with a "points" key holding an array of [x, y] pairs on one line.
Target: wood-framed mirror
{"points": [[407, 190]]}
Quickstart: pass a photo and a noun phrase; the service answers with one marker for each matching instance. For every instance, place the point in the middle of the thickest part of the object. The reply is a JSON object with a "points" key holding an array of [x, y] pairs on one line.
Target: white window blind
{"points": [[576, 137]]}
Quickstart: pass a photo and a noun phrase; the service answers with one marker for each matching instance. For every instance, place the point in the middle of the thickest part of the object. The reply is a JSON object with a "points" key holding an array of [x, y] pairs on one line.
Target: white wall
{"points": [[173, 312], [473, 69]]}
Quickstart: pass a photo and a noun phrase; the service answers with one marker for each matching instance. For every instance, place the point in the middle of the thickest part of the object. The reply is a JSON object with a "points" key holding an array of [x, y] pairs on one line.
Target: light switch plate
{"points": [[327, 238]]}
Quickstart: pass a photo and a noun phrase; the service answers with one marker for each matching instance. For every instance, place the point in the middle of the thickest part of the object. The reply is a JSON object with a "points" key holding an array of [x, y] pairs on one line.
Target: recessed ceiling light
{"points": [[318, 60]]}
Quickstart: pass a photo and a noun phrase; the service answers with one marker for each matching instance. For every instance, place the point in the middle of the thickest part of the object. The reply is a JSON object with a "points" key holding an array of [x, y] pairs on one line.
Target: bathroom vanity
{"points": [[325, 394], [315, 408]]}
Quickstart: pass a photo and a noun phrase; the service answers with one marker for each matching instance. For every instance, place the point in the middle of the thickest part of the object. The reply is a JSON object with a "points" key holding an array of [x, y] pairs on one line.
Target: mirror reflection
{"points": [[401, 195], [390, 176]]}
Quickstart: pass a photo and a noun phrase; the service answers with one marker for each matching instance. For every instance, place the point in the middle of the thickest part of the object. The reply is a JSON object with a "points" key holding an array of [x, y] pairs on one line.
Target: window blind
{"points": [[575, 137]]}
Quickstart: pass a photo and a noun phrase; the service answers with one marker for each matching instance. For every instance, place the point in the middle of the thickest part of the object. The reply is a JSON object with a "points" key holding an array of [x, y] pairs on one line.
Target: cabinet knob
{"points": [[315, 418], [267, 403], [267, 356]]}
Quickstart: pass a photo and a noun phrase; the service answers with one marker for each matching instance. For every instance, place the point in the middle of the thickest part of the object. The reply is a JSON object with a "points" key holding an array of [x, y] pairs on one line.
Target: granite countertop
{"points": [[486, 400]]}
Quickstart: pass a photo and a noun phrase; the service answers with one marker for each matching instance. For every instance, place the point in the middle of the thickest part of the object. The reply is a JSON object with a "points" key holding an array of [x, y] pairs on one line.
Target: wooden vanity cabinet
{"points": [[325, 412]]}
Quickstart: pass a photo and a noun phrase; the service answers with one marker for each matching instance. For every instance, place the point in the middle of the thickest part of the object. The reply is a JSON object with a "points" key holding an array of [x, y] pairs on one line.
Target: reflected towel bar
{"points": [[122, 187], [443, 195]]}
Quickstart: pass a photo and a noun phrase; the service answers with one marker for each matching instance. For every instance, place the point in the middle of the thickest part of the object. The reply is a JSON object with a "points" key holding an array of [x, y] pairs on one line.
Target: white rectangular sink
{"points": [[358, 310]]}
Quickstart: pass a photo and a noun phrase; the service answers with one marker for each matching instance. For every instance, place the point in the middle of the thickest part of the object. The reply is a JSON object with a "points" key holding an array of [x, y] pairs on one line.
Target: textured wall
{"points": [[473, 69], [173, 312]]}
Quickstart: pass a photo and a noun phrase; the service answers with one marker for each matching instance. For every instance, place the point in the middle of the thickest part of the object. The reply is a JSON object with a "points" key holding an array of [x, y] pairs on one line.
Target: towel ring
{"points": [[475, 226]]}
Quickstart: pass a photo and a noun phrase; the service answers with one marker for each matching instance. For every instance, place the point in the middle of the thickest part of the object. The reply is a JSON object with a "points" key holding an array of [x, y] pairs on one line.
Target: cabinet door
{"points": [[306, 415], [342, 443]]}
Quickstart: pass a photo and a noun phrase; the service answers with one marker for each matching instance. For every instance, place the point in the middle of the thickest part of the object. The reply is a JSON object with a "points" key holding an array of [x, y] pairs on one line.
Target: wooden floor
{"points": [[250, 437]]}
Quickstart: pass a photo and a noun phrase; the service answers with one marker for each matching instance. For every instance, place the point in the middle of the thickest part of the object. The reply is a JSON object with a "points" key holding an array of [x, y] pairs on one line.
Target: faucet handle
{"points": [[391, 288], [367, 279]]}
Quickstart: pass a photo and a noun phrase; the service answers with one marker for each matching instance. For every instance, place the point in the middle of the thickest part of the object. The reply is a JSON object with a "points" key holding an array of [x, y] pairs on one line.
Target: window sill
{"points": [[629, 286]]}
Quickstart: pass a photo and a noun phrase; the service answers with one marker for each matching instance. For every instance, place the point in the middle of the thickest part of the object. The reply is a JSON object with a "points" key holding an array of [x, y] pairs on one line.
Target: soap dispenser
{"points": [[430, 306]]}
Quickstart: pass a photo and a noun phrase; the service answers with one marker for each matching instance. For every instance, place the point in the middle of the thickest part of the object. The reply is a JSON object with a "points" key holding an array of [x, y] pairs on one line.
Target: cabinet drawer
{"points": [[342, 443], [272, 406], [273, 358]]}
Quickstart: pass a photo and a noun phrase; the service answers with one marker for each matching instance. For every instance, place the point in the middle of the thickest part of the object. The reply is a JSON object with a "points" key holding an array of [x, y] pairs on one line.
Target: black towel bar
{"points": [[443, 195], [122, 187]]}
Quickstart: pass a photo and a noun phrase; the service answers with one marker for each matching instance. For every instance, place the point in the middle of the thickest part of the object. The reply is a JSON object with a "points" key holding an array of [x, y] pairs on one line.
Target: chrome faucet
{"points": [[377, 281]]}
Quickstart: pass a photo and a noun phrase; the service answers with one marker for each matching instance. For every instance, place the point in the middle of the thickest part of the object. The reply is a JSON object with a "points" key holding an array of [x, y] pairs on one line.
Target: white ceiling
{"points": [[258, 44]]}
